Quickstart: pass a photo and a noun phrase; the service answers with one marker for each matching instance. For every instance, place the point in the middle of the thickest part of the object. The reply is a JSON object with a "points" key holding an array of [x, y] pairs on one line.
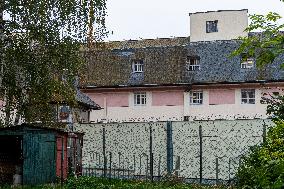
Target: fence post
{"points": [[229, 169], [119, 161], [159, 167], [151, 153], [177, 167], [200, 152], [170, 158], [264, 132], [134, 166], [110, 162], [217, 170], [104, 151]]}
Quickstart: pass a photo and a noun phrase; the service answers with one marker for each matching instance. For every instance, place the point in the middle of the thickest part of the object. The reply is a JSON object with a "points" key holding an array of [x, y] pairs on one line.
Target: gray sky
{"points": [[149, 19]]}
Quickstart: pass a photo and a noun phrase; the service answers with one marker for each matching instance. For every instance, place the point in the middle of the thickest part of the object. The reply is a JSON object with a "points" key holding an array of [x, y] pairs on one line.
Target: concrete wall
{"points": [[225, 140], [127, 139], [231, 25]]}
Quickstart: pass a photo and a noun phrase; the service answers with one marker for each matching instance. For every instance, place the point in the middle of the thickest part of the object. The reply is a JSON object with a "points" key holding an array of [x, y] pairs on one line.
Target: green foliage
{"points": [[268, 44], [91, 182], [40, 53], [264, 166], [101, 183], [276, 106]]}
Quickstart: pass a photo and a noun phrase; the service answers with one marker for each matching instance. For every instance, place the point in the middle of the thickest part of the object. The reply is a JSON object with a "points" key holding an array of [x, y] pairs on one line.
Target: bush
{"points": [[264, 166]]}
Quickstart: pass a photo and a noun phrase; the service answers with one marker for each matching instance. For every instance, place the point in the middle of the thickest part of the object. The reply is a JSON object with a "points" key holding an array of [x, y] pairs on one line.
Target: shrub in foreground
{"points": [[264, 166]]}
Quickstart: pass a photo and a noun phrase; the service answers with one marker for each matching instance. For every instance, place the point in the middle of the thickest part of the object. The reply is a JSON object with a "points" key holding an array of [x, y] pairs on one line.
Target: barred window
{"points": [[138, 66], [196, 97], [140, 99], [248, 96], [211, 26], [247, 62], [192, 63]]}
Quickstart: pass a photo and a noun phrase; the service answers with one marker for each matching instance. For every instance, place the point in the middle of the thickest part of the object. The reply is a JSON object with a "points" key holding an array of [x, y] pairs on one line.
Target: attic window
{"points": [[138, 66], [247, 62], [211, 26], [192, 63]]}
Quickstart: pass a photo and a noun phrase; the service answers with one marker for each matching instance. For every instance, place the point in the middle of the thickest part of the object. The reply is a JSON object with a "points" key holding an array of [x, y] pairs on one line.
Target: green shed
{"points": [[29, 155]]}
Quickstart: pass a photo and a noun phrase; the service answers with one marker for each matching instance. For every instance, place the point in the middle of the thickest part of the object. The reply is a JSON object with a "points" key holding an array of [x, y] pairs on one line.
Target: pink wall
{"points": [[113, 100], [171, 98], [222, 96]]}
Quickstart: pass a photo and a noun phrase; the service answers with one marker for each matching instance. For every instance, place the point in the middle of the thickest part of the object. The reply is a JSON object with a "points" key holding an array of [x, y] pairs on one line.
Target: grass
{"points": [[100, 183]]}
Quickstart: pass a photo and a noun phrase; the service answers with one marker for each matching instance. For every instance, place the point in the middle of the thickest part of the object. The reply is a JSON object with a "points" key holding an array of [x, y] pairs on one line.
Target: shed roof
{"points": [[86, 101], [37, 127], [32, 127]]}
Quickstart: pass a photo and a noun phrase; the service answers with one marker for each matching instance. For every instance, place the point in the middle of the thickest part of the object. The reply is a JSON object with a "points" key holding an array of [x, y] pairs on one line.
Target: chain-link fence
{"points": [[197, 151]]}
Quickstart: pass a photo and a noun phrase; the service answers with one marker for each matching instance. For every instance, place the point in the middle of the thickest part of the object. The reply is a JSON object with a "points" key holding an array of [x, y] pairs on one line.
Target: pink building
{"points": [[190, 78]]}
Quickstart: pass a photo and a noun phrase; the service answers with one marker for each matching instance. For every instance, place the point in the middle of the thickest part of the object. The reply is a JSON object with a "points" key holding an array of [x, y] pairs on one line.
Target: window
{"points": [[138, 66], [140, 99], [247, 62], [248, 96], [196, 97], [192, 63], [211, 26]]}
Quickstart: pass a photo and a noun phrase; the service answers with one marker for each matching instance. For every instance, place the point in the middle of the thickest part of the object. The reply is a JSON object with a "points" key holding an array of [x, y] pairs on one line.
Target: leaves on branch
{"points": [[40, 53]]}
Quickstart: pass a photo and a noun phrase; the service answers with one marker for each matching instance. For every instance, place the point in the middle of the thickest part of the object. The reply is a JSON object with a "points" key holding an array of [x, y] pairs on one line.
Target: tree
{"points": [[264, 165], [265, 46], [40, 53]]}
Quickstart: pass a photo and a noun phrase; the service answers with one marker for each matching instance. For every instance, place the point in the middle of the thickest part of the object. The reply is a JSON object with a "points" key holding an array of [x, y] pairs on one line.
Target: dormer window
{"points": [[247, 62], [211, 26], [192, 63], [138, 66]]}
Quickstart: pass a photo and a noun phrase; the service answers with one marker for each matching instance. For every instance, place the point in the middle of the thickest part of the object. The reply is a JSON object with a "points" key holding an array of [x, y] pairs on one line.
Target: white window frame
{"points": [[138, 66], [196, 97], [193, 63], [246, 97], [140, 99], [247, 63]]}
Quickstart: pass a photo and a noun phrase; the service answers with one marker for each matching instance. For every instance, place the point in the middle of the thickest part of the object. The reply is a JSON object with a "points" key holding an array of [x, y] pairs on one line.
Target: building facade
{"points": [[190, 78]]}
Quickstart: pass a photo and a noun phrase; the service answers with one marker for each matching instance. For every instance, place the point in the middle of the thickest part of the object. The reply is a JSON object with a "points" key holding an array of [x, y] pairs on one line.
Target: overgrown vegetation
{"points": [[264, 165], [40, 57], [101, 183]]}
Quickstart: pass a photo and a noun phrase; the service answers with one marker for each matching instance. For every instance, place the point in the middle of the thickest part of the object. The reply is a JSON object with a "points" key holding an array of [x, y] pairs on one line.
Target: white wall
{"points": [[231, 25], [176, 113], [225, 111]]}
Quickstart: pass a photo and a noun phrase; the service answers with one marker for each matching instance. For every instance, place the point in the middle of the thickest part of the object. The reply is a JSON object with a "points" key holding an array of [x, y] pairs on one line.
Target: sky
{"points": [[150, 19]]}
